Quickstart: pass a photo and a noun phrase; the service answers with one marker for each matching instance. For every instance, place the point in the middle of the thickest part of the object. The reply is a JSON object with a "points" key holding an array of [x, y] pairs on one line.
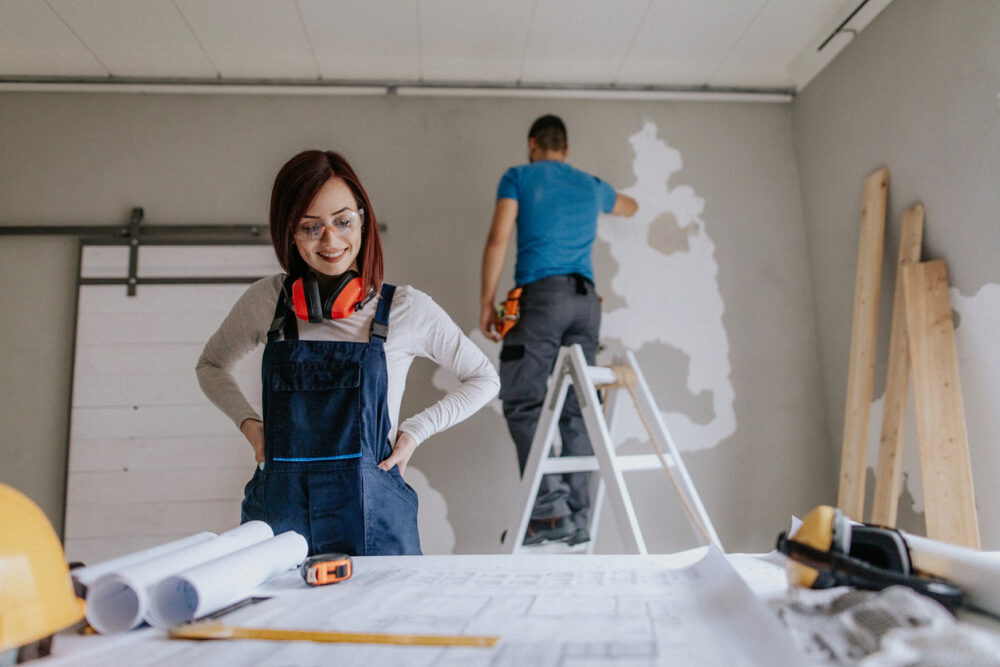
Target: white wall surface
{"points": [[916, 92], [431, 167]]}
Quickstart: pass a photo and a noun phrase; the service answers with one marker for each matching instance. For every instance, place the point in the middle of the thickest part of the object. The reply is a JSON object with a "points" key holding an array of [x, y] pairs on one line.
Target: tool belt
{"points": [[509, 312]]}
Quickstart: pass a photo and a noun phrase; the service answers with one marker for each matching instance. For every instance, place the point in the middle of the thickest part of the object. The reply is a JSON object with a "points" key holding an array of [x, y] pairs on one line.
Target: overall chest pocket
{"points": [[314, 414]]}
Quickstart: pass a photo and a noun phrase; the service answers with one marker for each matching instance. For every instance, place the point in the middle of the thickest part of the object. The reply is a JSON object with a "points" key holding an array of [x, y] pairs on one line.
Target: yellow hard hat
{"points": [[36, 594]]}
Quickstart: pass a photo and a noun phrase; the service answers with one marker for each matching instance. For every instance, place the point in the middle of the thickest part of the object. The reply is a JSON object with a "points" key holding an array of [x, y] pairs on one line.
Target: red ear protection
{"points": [[343, 299]]}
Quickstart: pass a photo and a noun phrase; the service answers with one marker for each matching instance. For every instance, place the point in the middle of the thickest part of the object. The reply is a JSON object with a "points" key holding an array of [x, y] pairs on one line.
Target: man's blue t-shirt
{"points": [[557, 208]]}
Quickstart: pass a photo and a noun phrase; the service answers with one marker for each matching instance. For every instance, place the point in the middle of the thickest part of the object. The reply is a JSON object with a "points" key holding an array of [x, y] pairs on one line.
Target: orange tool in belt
{"points": [[509, 312], [326, 569]]}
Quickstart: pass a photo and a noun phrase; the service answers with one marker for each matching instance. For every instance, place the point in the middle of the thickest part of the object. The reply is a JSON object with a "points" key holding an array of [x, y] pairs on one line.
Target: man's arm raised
{"points": [[624, 205]]}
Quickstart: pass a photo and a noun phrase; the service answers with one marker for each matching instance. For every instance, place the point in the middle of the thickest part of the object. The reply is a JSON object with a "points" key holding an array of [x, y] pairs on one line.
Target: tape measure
{"points": [[509, 313], [326, 569]]}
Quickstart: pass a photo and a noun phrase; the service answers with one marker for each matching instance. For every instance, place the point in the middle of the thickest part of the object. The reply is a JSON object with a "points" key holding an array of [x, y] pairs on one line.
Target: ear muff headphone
{"points": [[342, 299], [830, 550]]}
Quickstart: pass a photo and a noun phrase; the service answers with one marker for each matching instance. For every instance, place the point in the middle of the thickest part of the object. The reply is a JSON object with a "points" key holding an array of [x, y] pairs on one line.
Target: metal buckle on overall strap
{"points": [[380, 330], [277, 328]]}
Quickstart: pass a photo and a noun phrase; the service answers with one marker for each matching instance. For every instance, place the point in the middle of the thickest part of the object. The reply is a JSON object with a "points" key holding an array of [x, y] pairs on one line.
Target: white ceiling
{"points": [[750, 45]]}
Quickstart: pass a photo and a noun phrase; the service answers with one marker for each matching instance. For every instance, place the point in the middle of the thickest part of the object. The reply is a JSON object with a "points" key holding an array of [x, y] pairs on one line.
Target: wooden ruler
{"points": [[864, 334], [889, 473], [214, 630]]}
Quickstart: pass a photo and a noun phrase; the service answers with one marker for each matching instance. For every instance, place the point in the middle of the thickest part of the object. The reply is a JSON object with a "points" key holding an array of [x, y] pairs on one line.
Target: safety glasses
{"points": [[341, 224]]}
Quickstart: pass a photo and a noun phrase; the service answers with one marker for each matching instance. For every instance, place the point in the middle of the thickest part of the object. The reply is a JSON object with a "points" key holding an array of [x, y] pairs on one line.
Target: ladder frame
{"points": [[571, 368]]}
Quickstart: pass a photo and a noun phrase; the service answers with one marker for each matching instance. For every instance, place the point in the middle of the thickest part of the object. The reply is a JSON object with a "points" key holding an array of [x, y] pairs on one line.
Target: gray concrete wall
{"points": [[431, 166], [916, 92]]}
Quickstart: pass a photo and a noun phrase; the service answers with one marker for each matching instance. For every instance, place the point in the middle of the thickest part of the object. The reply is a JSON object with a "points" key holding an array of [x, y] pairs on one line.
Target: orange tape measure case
{"points": [[509, 312], [325, 569]]}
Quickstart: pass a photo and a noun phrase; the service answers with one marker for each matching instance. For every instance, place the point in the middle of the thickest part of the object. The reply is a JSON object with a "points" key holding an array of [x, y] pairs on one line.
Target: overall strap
{"points": [[282, 324], [380, 326]]}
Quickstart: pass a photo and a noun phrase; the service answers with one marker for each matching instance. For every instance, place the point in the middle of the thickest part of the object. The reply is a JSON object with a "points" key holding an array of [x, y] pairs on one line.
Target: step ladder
{"points": [[571, 368]]}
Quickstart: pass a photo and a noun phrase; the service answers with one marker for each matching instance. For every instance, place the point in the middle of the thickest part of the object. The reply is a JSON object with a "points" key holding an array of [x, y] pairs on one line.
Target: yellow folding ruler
{"points": [[214, 630]]}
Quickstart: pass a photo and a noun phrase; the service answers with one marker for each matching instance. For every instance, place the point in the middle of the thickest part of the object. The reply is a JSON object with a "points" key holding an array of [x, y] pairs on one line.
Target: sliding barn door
{"points": [[150, 459]]}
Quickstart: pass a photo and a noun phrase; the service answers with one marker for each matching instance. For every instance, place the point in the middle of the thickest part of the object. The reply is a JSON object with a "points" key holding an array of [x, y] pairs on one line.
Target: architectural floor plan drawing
{"points": [[691, 608]]}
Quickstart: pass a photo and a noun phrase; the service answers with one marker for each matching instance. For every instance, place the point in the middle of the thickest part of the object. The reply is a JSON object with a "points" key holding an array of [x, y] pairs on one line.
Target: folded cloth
{"points": [[951, 644], [842, 626]]}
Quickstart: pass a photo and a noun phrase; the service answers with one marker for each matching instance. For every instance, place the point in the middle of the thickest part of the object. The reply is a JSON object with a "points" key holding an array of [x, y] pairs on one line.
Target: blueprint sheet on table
{"points": [[691, 608]]}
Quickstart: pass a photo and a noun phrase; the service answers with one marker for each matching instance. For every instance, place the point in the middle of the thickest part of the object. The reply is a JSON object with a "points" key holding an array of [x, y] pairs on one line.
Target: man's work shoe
{"points": [[548, 530], [579, 536]]}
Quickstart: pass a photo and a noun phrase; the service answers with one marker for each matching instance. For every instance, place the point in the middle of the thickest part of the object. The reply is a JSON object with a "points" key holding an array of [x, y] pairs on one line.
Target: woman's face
{"points": [[328, 236]]}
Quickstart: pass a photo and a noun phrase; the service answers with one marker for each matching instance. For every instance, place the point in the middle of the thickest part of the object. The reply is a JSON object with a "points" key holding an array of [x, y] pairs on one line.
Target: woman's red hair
{"points": [[295, 188]]}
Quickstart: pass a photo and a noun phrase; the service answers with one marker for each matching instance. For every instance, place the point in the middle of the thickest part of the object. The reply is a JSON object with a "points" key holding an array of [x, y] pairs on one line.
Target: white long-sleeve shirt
{"points": [[418, 327]]}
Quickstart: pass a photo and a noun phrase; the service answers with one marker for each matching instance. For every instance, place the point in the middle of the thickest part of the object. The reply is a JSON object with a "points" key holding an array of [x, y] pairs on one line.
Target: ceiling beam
{"points": [[222, 86]]}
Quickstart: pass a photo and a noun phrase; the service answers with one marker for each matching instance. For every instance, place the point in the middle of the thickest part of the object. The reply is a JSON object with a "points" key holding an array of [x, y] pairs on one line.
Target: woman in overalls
{"points": [[338, 343]]}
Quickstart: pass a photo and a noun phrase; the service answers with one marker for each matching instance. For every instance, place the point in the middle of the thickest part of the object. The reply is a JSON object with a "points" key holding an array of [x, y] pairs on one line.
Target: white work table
{"points": [[686, 608], [695, 607]]}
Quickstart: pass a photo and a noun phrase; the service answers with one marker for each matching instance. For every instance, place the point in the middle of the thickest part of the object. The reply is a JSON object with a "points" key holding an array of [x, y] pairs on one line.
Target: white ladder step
{"points": [[601, 375], [625, 462]]}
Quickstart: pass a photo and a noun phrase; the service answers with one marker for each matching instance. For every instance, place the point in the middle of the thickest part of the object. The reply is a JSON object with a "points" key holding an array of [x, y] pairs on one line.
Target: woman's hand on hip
{"points": [[253, 431], [401, 453]]}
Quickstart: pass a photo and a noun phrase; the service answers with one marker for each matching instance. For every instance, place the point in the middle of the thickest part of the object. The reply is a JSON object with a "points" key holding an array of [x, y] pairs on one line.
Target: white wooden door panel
{"points": [[150, 458]]}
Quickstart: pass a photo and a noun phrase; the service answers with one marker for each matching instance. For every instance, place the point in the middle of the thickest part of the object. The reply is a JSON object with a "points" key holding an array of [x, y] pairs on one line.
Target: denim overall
{"points": [[326, 428]]}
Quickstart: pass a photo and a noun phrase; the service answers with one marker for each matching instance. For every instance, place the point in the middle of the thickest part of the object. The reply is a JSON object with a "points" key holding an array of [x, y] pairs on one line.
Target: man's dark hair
{"points": [[549, 133]]}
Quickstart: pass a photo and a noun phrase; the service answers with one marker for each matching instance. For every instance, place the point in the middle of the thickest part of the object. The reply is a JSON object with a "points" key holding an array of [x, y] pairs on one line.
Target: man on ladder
{"points": [[554, 208]]}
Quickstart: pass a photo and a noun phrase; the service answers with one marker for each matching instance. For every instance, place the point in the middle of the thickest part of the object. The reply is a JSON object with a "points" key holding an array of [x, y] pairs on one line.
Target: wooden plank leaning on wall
{"points": [[888, 476], [864, 336], [945, 468]]}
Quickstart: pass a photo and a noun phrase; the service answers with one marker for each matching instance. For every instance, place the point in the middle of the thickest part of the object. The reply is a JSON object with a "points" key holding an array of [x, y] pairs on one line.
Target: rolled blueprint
{"points": [[977, 573], [208, 587], [119, 600], [89, 574]]}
